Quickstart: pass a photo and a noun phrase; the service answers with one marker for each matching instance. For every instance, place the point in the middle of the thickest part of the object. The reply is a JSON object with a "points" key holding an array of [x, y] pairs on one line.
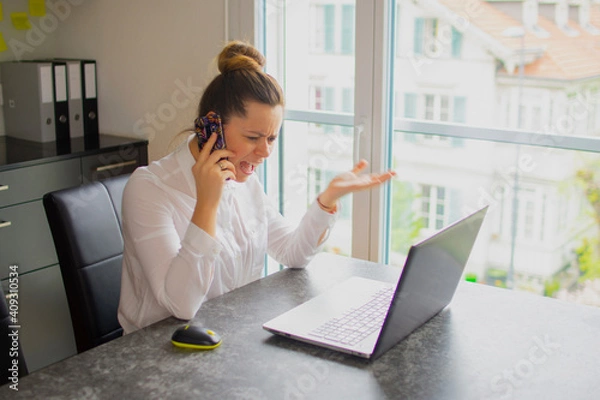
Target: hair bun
{"points": [[240, 56]]}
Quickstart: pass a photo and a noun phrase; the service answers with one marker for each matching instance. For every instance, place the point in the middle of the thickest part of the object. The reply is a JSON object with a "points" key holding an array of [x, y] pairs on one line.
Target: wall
{"points": [[38, 42], [153, 59]]}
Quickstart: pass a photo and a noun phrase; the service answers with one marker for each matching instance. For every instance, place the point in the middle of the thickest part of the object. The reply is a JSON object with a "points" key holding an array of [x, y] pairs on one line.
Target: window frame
{"points": [[375, 40]]}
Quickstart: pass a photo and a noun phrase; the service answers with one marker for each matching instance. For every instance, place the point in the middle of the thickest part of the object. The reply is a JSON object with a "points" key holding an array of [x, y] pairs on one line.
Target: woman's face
{"points": [[252, 137]]}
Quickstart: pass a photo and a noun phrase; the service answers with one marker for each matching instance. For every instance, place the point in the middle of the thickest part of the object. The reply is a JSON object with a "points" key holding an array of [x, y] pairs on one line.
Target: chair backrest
{"points": [[10, 347], [85, 222]]}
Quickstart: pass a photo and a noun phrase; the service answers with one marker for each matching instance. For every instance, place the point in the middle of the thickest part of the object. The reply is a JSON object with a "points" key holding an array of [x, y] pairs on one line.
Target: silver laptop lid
{"points": [[429, 279]]}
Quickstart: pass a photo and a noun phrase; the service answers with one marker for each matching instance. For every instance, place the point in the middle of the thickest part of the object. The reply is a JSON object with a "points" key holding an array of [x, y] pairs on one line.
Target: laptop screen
{"points": [[429, 279]]}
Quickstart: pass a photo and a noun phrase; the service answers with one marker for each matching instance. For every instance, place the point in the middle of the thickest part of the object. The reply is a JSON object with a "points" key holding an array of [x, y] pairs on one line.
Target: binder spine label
{"points": [[90, 80], [74, 81], [60, 75], [46, 86]]}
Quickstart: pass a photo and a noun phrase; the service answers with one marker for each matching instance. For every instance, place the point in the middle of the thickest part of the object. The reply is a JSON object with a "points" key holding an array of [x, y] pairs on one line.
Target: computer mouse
{"points": [[195, 337]]}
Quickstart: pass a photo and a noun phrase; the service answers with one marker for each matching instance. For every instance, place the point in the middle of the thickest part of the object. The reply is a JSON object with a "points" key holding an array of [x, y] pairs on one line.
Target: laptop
{"points": [[366, 317]]}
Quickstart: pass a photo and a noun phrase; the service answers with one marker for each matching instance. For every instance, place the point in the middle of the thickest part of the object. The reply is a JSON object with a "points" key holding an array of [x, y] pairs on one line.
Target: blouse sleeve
{"points": [[296, 246], [179, 270]]}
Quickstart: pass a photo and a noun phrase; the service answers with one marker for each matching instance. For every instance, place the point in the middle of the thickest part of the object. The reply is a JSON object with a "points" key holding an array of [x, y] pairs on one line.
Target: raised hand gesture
{"points": [[352, 181]]}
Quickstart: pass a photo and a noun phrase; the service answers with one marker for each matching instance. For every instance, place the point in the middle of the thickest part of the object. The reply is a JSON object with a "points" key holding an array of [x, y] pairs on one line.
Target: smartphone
{"points": [[210, 124]]}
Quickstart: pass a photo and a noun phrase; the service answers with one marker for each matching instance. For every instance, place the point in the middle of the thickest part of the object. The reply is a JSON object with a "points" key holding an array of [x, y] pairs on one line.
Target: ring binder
{"points": [[28, 91]]}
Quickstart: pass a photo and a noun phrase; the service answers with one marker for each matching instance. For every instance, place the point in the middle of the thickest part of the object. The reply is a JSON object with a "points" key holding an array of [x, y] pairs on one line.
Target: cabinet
{"points": [[27, 171]]}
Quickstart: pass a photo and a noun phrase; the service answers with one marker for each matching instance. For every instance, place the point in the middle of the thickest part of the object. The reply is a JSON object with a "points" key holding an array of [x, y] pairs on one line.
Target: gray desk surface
{"points": [[489, 344]]}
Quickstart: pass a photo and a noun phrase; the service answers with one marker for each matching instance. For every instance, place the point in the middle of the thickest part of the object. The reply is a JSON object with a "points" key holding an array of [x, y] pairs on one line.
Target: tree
{"points": [[406, 225], [588, 260], [588, 254]]}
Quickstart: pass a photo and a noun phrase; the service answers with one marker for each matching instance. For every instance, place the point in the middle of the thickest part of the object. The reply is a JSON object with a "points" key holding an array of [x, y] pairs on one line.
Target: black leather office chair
{"points": [[86, 226], [10, 346]]}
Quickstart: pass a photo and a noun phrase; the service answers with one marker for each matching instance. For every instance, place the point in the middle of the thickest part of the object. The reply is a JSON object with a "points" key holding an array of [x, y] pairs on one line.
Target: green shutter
{"points": [[460, 111], [455, 205], [348, 29], [329, 28], [347, 100], [456, 43], [410, 105], [328, 99], [418, 37]]}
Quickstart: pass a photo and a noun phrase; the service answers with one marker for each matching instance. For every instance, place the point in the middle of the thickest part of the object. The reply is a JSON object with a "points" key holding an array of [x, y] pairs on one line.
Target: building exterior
{"points": [[500, 65], [463, 64]]}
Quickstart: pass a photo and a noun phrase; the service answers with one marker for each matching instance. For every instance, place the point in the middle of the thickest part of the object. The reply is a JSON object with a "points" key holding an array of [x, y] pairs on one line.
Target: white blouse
{"points": [[170, 265]]}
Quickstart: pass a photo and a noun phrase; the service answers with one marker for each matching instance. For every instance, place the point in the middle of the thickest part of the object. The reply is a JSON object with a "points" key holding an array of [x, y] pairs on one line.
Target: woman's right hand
{"points": [[210, 171]]}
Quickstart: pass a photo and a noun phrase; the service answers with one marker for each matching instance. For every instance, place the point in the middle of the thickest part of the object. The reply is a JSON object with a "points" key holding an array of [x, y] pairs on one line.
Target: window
{"points": [[332, 28], [318, 77], [531, 214], [434, 90], [435, 38], [318, 29], [430, 108], [318, 98], [433, 207], [435, 107], [316, 183]]}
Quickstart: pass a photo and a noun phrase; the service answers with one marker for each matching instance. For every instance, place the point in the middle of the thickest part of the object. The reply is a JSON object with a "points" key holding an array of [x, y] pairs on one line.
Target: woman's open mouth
{"points": [[246, 167]]}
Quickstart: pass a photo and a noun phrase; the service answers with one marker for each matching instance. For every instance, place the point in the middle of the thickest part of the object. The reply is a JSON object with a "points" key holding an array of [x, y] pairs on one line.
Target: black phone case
{"points": [[209, 124]]}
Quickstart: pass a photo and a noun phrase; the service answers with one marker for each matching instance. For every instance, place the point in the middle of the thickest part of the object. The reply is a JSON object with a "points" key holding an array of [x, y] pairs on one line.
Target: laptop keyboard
{"points": [[357, 323]]}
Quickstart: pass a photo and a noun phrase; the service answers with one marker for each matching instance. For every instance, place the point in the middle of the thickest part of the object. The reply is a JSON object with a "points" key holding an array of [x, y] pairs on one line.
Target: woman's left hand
{"points": [[351, 181]]}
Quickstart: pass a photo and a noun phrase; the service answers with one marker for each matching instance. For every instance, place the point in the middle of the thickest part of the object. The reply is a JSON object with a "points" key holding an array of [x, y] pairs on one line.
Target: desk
{"points": [[490, 343]]}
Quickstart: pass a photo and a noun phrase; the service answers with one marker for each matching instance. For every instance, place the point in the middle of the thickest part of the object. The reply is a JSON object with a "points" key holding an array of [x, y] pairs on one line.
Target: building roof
{"points": [[560, 56]]}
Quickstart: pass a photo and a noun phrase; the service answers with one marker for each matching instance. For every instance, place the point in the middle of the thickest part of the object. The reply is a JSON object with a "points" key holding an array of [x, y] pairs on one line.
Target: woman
{"points": [[197, 223]]}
